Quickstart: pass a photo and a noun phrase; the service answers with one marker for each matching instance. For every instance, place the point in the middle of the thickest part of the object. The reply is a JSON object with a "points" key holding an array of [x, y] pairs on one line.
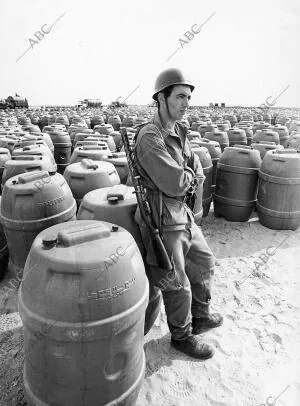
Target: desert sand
{"points": [[257, 359]]}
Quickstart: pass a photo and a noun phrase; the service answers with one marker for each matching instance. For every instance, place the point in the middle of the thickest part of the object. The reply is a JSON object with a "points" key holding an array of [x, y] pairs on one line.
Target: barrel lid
{"points": [[113, 199], [50, 241], [116, 193]]}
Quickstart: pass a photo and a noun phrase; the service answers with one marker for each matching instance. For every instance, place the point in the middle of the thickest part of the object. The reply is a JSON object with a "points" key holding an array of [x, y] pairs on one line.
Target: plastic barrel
{"points": [[34, 150], [195, 125], [82, 303], [116, 135], [4, 255], [215, 152], [108, 139], [30, 139], [236, 186], [115, 121], [63, 120], [43, 121], [118, 204], [119, 160], [265, 146], [30, 203], [237, 136], [249, 132], [45, 137], [266, 135], [266, 118], [73, 131], [87, 175], [96, 120], [193, 135], [115, 204], [220, 136], [260, 125], [89, 151], [232, 119], [81, 136], [283, 134], [207, 166], [62, 150], [104, 129], [4, 157], [128, 121], [294, 141], [203, 129], [8, 142], [26, 163], [278, 199]]}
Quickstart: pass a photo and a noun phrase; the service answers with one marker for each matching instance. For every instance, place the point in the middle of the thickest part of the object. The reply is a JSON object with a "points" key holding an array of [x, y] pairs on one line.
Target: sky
{"points": [[240, 53]]}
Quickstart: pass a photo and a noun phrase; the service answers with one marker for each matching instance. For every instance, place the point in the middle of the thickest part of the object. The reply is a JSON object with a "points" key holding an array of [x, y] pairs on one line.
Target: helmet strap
{"points": [[167, 105], [166, 118]]}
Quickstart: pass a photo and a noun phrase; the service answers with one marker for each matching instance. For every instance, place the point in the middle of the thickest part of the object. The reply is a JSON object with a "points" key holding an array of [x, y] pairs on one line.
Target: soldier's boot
{"points": [[200, 325], [192, 347]]}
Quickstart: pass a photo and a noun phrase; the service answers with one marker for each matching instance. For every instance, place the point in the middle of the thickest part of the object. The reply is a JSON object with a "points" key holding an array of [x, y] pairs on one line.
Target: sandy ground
{"points": [[257, 349]]}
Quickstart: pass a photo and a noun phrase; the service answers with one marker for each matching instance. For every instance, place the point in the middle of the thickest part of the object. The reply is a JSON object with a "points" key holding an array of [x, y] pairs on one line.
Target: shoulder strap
{"points": [[138, 128]]}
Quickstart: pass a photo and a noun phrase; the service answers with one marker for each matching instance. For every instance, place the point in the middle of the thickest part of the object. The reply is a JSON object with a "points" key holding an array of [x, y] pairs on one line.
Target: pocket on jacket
{"points": [[174, 212]]}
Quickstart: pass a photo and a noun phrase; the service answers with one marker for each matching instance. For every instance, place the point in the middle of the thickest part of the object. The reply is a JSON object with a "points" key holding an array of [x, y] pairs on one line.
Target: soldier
{"points": [[169, 169]]}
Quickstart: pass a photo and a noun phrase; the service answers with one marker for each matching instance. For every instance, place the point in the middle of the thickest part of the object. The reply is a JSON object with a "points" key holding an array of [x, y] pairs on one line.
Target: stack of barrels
{"points": [[247, 145], [59, 256]]}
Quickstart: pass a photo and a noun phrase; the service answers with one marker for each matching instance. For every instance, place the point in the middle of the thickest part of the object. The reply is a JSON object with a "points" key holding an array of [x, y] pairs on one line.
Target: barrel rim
{"points": [[234, 202], [237, 169], [278, 214]]}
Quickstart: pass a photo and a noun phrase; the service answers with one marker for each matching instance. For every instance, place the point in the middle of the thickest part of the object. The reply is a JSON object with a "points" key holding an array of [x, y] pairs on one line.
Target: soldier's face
{"points": [[179, 101]]}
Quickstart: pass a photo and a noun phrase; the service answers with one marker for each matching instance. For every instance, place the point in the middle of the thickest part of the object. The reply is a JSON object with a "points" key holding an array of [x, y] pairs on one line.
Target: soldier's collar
{"points": [[158, 123]]}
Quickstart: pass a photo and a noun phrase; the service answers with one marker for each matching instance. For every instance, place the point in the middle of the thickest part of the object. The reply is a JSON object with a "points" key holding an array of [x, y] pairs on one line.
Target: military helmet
{"points": [[170, 77]]}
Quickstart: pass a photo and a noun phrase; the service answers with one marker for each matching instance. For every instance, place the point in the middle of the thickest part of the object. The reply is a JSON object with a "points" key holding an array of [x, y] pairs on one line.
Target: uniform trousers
{"points": [[186, 289]]}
